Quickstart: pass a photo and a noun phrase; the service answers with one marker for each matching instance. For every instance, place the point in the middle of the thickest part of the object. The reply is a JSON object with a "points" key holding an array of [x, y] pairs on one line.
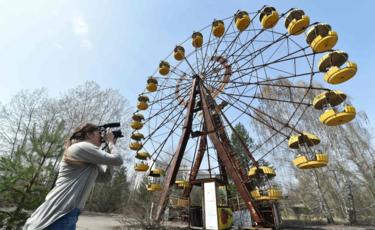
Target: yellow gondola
{"points": [[164, 68], [331, 117], [141, 167], [137, 117], [268, 171], [178, 202], [218, 28], [302, 162], [152, 84], [296, 22], [335, 70], [135, 145], [142, 102], [152, 187], [137, 136], [242, 20], [156, 172], [321, 38], [142, 155], [268, 17], [309, 139], [197, 39], [182, 184], [270, 194], [136, 125], [332, 98], [179, 53]]}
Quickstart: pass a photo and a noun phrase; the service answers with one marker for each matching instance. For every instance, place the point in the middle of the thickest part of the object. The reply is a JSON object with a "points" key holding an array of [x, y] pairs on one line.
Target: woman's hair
{"points": [[79, 134]]}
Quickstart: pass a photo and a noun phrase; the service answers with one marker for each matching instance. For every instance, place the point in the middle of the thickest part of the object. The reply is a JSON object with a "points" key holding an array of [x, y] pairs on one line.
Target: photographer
{"points": [[79, 169]]}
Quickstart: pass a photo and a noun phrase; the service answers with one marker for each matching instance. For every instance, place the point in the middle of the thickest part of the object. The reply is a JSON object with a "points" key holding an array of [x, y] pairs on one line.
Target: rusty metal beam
{"points": [[255, 163], [177, 157], [221, 142], [197, 163]]}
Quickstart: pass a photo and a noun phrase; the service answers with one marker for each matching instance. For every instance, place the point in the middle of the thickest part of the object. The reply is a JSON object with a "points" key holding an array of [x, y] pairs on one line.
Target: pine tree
{"points": [[26, 175], [241, 134]]}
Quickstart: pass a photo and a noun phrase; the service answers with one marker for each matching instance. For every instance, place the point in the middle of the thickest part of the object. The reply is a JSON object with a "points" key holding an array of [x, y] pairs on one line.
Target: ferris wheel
{"points": [[222, 75]]}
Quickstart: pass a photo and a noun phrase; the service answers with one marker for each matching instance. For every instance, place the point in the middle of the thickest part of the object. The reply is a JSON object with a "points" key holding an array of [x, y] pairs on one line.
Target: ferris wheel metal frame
{"points": [[195, 93]]}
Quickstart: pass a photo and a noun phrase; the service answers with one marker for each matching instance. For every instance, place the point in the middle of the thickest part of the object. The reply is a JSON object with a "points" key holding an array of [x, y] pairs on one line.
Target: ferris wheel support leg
{"points": [[177, 157], [221, 142], [197, 163]]}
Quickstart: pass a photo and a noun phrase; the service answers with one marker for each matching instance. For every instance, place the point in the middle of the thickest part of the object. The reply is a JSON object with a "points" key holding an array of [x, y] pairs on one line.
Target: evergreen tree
{"points": [[241, 134], [25, 175]]}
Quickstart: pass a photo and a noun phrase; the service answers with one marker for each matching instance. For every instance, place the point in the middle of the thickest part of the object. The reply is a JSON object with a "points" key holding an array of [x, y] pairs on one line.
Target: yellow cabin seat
{"points": [[269, 17], [321, 38], [301, 162], [142, 105], [336, 75], [152, 84], [182, 184], [335, 70], [141, 167], [309, 139], [296, 22], [179, 53], [137, 117], [137, 136], [255, 194], [269, 195], [274, 194], [197, 39], [332, 98], [135, 145], [332, 118], [153, 187], [182, 203], [136, 125], [242, 20], [164, 68], [157, 172], [218, 28], [142, 102], [178, 202], [142, 155], [268, 171]]}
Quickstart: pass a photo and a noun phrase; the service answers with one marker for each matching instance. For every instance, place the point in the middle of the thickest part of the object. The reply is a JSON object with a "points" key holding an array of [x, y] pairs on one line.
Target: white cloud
{"points": [[81, 29]]}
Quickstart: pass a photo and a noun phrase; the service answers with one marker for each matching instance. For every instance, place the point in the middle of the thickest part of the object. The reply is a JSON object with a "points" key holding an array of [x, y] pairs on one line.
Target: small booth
{"points": [[214, 212]]}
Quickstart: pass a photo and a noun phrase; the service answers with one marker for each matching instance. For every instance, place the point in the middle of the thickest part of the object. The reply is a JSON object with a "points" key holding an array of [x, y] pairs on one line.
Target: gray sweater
{"points": [[74, 183]]}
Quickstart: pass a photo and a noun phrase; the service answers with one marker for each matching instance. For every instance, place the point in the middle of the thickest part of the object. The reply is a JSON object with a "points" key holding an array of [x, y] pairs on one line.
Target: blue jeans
{"points": [[66, 222]]}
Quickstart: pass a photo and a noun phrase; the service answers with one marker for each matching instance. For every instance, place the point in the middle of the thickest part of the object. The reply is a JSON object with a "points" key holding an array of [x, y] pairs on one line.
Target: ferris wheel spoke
{"points": [[256, 52], [160, 146], [242, 48], [210, 64], [284, 124], [171, 95], [166, 120], [278, 61]]}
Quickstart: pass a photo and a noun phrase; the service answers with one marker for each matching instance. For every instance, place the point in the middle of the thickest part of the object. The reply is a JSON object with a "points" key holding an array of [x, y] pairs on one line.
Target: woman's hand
{"points": [[109, 137]]}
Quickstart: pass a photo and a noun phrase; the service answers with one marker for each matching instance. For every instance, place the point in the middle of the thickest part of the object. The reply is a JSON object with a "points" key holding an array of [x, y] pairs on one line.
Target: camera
{"points": [[116, 133]]}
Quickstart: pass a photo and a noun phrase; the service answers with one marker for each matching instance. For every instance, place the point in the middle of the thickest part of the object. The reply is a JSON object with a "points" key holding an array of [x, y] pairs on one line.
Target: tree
{"points": [[348, 146], [241, 135], [33, 116], [111, 196], [24, 181]]}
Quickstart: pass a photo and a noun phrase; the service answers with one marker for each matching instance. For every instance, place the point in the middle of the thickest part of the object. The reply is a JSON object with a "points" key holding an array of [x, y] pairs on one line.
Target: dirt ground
{"points": [[98, 221]]}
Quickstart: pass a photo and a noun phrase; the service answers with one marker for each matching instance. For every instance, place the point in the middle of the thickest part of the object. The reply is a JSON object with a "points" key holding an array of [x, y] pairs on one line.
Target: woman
{"points": [[79, 169]]}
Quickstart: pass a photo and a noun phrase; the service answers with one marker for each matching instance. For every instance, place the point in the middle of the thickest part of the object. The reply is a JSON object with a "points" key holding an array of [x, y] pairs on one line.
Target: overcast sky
{"points": [[60, 44]]}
